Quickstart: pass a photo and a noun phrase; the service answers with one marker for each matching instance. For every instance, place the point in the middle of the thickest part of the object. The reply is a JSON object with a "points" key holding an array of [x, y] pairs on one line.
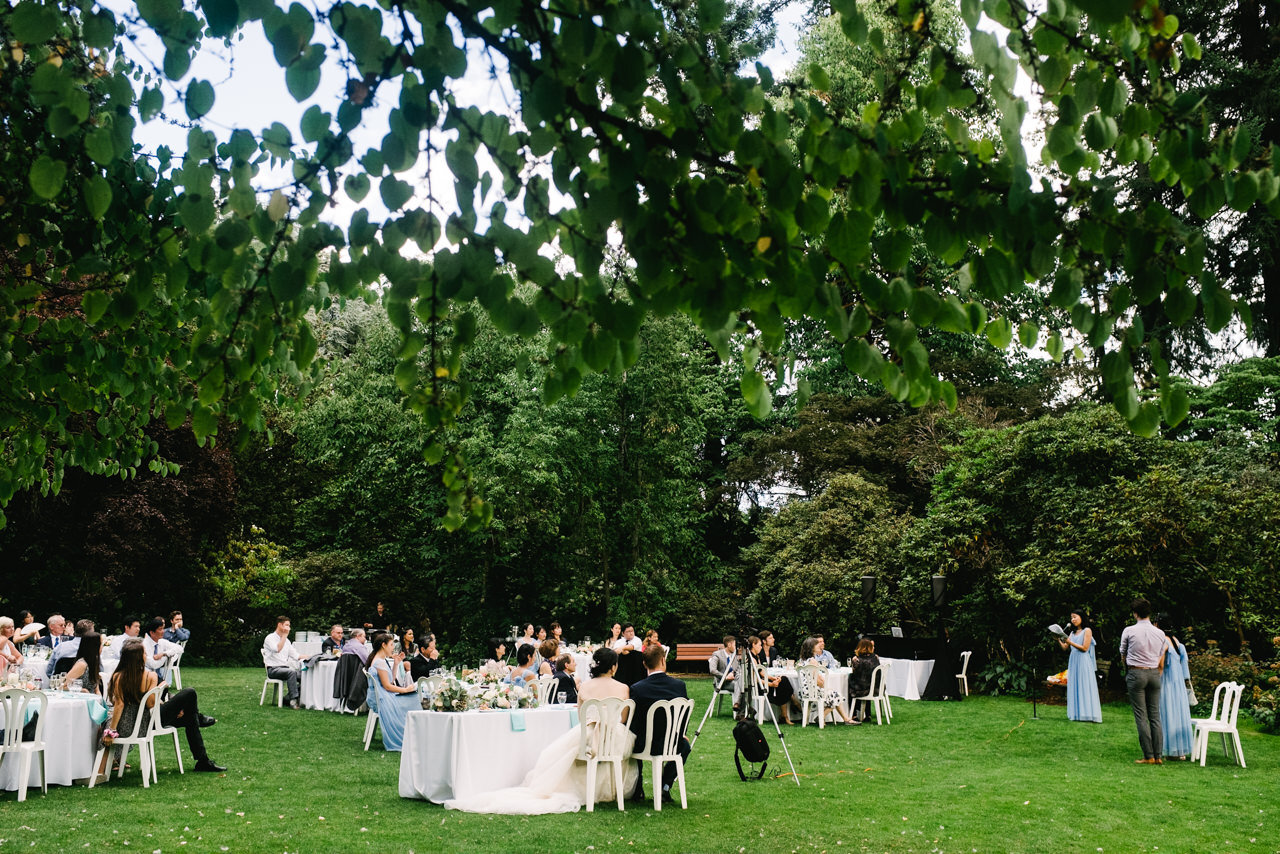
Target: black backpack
{"points": [[751, 746]]}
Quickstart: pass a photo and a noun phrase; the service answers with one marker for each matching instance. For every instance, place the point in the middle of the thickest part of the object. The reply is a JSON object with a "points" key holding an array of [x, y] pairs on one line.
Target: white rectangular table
{"points": [[458, 754], [70, 738], [905, 677], [316, 688]]}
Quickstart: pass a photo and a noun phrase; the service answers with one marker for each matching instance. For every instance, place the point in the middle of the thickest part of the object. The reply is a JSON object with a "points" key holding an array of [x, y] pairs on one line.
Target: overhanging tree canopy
{"points": [[145, 286]]}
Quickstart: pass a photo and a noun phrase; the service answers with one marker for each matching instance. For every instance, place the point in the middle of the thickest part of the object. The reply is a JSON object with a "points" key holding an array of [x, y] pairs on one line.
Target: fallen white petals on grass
{"points": [[1025, 803]]}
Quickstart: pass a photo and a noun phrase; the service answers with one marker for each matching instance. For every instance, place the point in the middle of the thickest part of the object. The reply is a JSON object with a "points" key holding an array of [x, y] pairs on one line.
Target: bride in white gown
{"points": [[558, 782]]}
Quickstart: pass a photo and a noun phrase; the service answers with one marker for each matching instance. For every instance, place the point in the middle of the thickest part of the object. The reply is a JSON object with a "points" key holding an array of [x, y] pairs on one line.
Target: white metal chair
{"points": [[877, 695], [811, 692], [370, 700], [17, 704], [545, 689], [278, 686], [141, 736], [677, 713], [1222, 720], [606, 741], [963, 676]]}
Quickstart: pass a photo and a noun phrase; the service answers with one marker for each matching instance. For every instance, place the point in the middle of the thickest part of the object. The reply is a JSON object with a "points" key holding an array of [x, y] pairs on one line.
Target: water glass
{"points": [[77, 686], [562, 697]]}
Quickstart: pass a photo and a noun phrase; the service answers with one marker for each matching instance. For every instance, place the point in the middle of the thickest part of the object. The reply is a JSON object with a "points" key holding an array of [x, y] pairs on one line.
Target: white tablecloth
{"points": [[70, 738], [317, 685], [837, 680], [907, 678], [457, 754]]}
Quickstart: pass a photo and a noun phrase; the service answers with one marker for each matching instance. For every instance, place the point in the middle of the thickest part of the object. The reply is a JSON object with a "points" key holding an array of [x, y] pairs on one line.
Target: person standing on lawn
{"points": [[1142, 648]]}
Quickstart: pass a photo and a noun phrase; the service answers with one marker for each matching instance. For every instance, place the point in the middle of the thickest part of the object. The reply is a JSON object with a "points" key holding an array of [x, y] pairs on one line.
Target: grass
{"points": [[981, 775]]}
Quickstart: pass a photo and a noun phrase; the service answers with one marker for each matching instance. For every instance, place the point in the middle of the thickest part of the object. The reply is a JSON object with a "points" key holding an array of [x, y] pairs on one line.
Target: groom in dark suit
{"points": [[657, 686]]}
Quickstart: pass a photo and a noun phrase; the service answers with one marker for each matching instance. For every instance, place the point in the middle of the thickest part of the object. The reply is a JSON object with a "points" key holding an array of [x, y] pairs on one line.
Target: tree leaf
{"points": [[199, 98], [47, 176], [97, 196]]}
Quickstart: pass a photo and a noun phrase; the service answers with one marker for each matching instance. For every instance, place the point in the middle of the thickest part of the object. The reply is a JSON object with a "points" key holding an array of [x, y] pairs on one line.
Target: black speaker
{"points": [[939, 591], [868, 589]]}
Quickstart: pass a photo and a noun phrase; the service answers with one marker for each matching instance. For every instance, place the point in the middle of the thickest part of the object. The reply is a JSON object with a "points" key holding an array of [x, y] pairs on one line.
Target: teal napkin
{"points": [[573, 718], [517, 720], [98, 711]]}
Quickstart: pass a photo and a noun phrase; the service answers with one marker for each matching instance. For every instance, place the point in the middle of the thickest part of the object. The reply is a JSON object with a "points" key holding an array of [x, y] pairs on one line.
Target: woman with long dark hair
{"points": [[88, 664], [1083, 703], [395, 698], [131, 682], [1175, 710]]}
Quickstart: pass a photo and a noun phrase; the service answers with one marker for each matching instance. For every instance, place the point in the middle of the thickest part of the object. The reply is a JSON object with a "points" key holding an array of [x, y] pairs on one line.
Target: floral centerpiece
{"points": [[505, 695], [452, 696], [490, 673]]}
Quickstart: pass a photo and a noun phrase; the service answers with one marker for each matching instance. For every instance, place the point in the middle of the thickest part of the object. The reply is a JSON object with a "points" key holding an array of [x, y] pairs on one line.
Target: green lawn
{"points": [[981, 775]]}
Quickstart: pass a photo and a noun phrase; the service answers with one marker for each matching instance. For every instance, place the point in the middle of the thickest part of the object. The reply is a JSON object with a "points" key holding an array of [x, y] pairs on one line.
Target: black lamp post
{"points": [[868, 594]]}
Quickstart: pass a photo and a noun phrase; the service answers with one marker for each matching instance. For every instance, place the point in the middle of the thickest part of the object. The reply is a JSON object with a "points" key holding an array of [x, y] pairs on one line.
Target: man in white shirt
{"points": [[1142, 647], [282, 660], [111, 651], [157, 650]]}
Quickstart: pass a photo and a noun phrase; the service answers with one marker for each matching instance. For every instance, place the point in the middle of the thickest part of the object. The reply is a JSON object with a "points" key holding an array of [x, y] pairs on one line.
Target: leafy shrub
{"points": [[1261, 699]]}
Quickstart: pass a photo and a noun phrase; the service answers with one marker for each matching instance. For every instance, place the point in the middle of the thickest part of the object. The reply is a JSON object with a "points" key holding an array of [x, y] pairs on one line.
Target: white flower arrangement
{"points": [[451, 696], [491, 672], [455, 695]]}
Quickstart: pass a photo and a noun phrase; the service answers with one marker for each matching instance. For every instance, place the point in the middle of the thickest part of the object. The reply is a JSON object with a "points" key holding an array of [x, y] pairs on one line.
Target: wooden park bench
{"points": [[691, 655]]}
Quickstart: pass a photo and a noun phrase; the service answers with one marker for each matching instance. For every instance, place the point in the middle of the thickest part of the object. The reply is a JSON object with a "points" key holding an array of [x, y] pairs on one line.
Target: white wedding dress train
{"points": [[557, 783]]}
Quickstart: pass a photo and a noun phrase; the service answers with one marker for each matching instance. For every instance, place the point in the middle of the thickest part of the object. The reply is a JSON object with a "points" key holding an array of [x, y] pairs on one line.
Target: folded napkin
{"points": [[517, 720], [98, 710], [573, 717]]}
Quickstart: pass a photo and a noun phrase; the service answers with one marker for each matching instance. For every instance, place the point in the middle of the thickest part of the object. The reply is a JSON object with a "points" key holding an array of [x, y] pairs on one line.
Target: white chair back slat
{"points": [[17, 705]]}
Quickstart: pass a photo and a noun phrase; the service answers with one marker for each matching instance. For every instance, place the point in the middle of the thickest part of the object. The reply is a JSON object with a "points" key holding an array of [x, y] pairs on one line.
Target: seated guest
{"points": [[395, 699], [111, 648], [56, 624], [87, 666], [355, 646], [333, 642], [629, 649], [656, 686], [159, 652], [497, 652], [823, 657], [527, 635], [427, 661], [545, 660], [540, 633], [864, 666], [64, 655], [282, 660], [760, 682], [721, 668], [808, 655], [176, 633], [8, 650], [132, 681], [781, 691], [566, 681], [523, 673], [557, 634], [22, 634], [407, 644]]}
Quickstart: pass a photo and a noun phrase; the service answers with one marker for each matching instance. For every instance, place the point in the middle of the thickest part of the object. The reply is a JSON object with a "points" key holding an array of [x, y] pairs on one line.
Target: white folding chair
{"points": [[278, 686], [677, 713], [606, 741], [141, 736], [17, 705], [545, 688], [429, 684], [370, 700], [877, 695], [158, 728], [812, 692], [962, 677], [1222, 720]]}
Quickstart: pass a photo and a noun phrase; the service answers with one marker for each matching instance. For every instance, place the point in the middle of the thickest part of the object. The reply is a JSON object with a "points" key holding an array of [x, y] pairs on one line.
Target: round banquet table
{"points": [[70, 739], [317, 686], [457, 754], [837, 680]]}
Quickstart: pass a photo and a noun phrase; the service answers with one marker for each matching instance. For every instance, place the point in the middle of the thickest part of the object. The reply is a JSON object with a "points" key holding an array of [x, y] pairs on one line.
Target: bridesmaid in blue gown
{"points": [[1082, 685], [395, 699], [1175, 710]]}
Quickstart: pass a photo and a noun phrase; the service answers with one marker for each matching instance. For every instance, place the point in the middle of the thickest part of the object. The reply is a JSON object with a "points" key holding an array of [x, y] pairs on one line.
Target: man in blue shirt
{"points": [[176, 633]]}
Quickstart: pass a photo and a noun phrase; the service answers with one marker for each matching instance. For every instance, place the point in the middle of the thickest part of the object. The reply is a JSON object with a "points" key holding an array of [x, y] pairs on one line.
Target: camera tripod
{"points": [[756, 687]]}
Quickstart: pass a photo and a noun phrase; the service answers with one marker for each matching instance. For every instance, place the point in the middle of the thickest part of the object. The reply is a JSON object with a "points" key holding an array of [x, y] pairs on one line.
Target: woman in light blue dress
{"points": [[395, 699], [1082, 685], [1175, 710]]}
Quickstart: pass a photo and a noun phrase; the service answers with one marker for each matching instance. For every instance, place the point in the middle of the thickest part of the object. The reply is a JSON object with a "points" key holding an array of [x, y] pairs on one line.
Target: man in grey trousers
{"points": [[1142, 648]]}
